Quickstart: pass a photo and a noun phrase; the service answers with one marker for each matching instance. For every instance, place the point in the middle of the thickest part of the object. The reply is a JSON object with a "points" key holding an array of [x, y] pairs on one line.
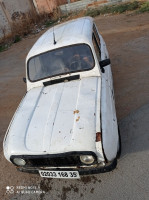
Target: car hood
{"points": [[57, 118]]}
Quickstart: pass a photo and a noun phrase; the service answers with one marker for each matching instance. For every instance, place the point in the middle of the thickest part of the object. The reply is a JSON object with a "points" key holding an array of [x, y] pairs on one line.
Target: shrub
{"points": [[92, 12], [119, 8], [144, 7], [17, 38]]}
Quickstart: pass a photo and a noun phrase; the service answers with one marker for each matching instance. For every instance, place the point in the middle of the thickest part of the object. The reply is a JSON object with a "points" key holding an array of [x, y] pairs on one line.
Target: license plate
{"points": [[59, 174]]}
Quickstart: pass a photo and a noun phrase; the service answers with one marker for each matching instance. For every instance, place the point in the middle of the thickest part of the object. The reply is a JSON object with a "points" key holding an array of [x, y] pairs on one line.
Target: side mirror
{"points": [[24, 79], [104, 63]]}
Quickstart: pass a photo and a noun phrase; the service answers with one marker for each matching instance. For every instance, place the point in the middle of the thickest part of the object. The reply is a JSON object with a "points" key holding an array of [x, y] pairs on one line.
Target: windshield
{"points": [[60, 61]]}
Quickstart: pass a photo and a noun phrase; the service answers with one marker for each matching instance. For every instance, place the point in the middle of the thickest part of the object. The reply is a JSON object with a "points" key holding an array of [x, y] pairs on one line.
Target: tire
{"points": [[119, 149]]}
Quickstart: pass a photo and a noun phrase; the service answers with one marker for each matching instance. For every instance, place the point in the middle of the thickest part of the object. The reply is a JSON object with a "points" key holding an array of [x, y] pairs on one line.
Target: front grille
{"points": [[54, 162]]}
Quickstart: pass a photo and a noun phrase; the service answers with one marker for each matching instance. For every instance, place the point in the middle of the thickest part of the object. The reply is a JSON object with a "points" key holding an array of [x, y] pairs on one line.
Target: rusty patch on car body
{"points": [[98, 136], [78, 119], [75, 111]]}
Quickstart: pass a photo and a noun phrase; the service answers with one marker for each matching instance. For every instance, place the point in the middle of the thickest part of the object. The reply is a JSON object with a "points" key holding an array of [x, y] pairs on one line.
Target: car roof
{"points": [[68, 33]]}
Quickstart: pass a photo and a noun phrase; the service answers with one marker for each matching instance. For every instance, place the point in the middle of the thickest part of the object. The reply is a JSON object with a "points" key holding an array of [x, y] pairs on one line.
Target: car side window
{"points": [[96, 47], [96, 35]]}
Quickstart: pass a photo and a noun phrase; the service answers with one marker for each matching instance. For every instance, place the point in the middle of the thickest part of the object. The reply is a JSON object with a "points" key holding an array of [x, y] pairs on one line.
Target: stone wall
{"points": [[84, 4], [78, 5]]}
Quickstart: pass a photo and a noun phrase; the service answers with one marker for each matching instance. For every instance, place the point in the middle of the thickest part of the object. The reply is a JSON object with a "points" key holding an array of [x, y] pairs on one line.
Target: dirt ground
{"points": [[127, 39]]}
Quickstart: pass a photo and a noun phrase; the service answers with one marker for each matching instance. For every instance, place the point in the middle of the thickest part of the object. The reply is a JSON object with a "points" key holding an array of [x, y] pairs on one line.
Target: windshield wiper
{"points": [[66, 79]]}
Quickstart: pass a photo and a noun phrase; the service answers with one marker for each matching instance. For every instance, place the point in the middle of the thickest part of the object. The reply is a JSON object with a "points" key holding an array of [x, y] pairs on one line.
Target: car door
{"points": [[108, 114], [104, 55]]}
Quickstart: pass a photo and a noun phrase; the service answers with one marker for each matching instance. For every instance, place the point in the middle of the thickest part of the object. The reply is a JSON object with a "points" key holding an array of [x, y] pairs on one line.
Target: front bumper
{"points": [[82, 171]]}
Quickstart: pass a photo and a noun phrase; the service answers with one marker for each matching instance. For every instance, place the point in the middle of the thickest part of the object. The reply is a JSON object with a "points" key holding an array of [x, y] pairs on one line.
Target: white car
{"points": [[66, 124]]}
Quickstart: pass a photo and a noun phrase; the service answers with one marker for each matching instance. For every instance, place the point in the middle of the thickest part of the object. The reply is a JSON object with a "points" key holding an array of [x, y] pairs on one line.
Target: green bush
{"points": [[50, 23], [105, 9], [17, 38], [119, 8], [3, 47], [134, 5], [92, 12], [144, 7]]}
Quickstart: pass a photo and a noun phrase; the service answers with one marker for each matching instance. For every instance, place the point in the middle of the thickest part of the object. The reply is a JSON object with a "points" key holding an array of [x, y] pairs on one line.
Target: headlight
{"points": [[87, 159], [19, 161]]}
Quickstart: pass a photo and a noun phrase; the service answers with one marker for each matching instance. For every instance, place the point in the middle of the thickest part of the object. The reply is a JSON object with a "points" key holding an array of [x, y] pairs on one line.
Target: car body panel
{"points": [[108, 121], [108, 117], [57, 118]]}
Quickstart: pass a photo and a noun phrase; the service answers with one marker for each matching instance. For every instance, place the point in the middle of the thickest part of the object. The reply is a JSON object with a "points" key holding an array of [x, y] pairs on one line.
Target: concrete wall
{"points": [[11, 10], [4, 23], [84, 4], [45, 5], [17, 6], [78, 5]]}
